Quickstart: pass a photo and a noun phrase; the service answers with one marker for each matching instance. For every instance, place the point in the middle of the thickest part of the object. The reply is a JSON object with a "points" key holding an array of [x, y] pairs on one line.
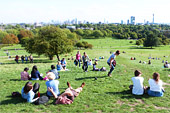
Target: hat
{"points": [[51, 76]]}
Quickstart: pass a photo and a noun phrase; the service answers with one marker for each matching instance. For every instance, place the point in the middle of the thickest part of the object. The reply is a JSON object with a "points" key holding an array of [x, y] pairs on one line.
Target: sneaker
{"points": [[109, 75], [68, 84], [83, 84]]}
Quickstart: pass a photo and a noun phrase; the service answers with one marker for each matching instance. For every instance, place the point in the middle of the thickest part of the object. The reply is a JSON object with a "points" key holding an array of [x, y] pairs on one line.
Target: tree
{"points": [[2, 35], [79, 44], [10, 39], [50, 41], [97, 34], [79, 32], [25, 33], [151, 40]]}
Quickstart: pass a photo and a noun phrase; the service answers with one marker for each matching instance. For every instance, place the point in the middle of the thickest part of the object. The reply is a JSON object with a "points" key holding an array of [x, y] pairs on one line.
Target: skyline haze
{"points": [[113, 11]]}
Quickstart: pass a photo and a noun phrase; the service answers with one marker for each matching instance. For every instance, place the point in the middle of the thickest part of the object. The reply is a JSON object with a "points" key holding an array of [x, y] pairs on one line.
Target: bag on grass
{"points": [[16, 94], [41, 100]]}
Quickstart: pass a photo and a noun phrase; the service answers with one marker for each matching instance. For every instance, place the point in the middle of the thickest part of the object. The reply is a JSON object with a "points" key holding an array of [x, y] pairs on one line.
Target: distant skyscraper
{"points": [[128, 21], [121, 21], [153, 18], [132, 20]]}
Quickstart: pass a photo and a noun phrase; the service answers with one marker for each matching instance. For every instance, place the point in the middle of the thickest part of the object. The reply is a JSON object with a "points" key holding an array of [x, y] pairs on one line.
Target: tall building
{"points": [[128, 21], [153, 18], [121, 21], [132, 20]]}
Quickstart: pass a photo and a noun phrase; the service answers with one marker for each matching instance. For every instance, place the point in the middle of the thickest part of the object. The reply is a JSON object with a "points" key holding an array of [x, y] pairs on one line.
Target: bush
{"points": [[131, 42]]}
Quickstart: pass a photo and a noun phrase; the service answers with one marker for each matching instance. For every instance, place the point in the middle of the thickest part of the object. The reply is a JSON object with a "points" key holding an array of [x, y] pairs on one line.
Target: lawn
{"points": [[106, 94]]}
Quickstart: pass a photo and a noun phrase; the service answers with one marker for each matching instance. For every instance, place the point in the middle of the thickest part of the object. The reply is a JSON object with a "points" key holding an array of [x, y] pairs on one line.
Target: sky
{"points": [[113, 11]]}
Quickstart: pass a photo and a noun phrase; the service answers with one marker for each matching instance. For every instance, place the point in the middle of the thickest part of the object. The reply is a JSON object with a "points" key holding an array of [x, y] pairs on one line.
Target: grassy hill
{"points": [[106, 94]]}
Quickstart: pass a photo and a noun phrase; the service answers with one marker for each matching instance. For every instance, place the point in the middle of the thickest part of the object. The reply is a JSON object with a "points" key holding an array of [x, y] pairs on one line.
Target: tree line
{"points": [[55, 40]]}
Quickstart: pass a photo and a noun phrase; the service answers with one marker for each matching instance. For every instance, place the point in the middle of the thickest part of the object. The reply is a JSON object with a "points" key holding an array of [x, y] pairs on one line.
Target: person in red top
{"points": [[16, 58], [78, 58]]}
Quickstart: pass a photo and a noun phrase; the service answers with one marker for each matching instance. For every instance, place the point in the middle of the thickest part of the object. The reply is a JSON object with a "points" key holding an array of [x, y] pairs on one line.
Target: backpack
{"points": [[114, 63], [41, 100], [16, 94]]}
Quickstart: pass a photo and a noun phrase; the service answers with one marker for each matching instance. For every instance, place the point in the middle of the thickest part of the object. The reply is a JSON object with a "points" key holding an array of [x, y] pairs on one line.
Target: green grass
{"points": [[106, 94]]}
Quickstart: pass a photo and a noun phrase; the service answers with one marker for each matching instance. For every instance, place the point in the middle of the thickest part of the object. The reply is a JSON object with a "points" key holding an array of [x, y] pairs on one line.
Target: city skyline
{"points": [[113, 11]]}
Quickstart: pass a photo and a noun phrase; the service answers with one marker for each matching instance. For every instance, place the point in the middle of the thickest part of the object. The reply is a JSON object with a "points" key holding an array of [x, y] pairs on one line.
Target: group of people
{"points": [[35, 74], [86, 62], [29, 91], [155, 85], [24, 58]]}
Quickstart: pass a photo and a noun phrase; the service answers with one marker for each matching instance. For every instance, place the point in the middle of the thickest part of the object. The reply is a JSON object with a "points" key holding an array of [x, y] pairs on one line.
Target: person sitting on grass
{"points": [[52, 83], [149, 62], [166, 65], [55, 72], [68, 96], [25, 75], [28, 92], [137, 88], [35, 74], [155, 84], [94, 67], [63, 63], [97, 69], [59, 66]]}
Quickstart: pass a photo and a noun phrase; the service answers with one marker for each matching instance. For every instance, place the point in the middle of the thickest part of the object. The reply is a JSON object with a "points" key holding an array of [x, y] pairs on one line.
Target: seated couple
{"points": [[155, 83], [61, 67], [97, 69], [65, 98], [35, 74]]}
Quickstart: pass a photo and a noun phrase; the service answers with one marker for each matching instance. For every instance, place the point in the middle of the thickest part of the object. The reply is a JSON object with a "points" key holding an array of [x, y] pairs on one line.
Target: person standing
{"points": [[26, 58], [31, 58], [22, 58], [85, 59], [111, 62], [78, 58], [16, 58]]}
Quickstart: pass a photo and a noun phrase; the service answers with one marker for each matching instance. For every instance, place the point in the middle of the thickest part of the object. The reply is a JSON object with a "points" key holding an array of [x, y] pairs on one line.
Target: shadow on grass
{"points": [[12, 100], [90, 77], [166, 69], [35, 61], [15, 79], [140, 48], [128, 94]]}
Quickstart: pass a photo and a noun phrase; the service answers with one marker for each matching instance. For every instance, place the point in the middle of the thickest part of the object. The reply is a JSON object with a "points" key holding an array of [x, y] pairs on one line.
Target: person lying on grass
{"points": [[137, 88], [28, 92], [68, 96], [52, 83], [97, 69], [155, 84]]}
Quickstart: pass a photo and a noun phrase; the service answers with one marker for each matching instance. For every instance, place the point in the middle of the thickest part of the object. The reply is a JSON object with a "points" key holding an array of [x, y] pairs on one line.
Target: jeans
{"points": [[85, 66], [36, 87], [111, 69], [155, 93]]}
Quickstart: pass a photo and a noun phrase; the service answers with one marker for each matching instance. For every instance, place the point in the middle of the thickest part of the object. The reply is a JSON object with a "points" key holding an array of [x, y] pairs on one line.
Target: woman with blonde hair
{"points": [[156, 88], [52, 83]]}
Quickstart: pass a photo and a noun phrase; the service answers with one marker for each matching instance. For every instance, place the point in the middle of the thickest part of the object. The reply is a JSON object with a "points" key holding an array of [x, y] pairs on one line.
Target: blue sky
{"points": [[17, 11]]}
